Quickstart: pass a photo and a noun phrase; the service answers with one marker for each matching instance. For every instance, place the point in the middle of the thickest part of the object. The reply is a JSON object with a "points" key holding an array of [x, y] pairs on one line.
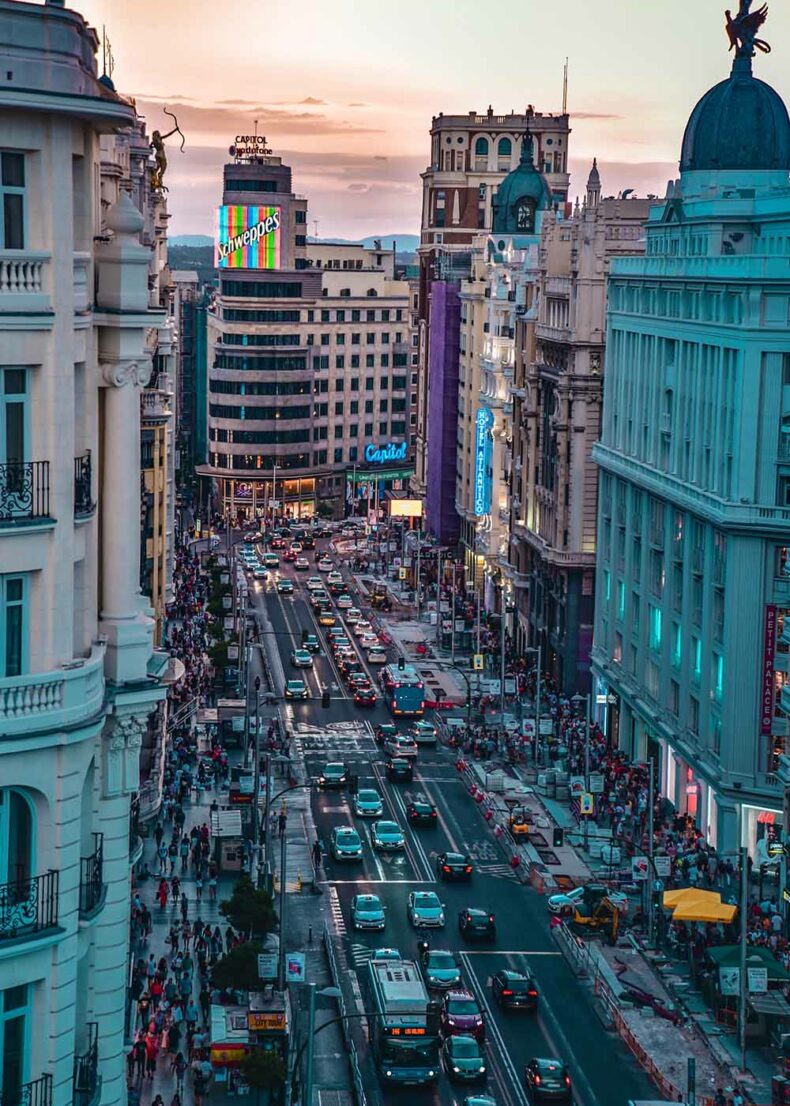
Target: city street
{"points": [[566, 1026]]}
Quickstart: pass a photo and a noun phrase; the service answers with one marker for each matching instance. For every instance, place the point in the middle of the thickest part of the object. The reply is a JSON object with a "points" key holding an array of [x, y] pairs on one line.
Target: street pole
{"points": [[587, 767], [537, 710], [256, 787], [247, 702], [308, 1081], [417, 584], [502, 655], [452, 617], [650, 848], [281, 950], [743, 987], [266, 827], [438, 598]]}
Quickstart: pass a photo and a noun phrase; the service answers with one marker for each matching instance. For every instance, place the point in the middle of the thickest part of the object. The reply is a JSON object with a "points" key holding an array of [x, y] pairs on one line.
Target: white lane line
{"points": [[376, 861], [442, 820], [397, 801], [408, 882], [507, 952], [493, 1029]]}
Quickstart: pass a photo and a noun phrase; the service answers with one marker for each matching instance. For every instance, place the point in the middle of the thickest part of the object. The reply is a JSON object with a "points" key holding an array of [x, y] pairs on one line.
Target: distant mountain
{"points": [[404, 243], [193, 240]]}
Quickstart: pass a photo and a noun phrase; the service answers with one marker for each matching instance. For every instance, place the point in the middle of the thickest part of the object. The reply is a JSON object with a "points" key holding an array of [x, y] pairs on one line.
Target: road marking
{"points": [[362, 879], [493, 1029], [376, 861], [336, 911], [507, 952], [397, 801]]}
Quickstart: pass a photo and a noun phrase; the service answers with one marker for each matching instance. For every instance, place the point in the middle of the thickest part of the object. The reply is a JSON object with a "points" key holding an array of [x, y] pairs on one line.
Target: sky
{"points": [[345, 90]]}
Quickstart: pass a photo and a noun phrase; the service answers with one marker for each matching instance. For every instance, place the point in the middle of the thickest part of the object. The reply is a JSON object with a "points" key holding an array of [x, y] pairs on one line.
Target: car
{"points": [[386, 954], [400, 770], [348, 666], [424, 733], [363, 629], [463, 1059], [311, 644], [337, 631], [453, 866], [301, 658], [383, 731], [423, 909], [348, 532], [365, 697], [301, 564], [295, 547], [479, 1100], [547, 1081], [296, 689], [334, 577], [564, 904], [335, 774], [353, 615], [399, 745], [276, 542], [335, 588], [368, 803], [376, 656], [476, 923], [324, 565], [440, 970], [315, 583], [514, 991], [326, 618], [366, 641], [367, 912], [346, 843], [289, 556], [344, 602], [308, 541], [459, 1013], [358, 681], [387, 837], [285, 587], [271, 560], [422, 813]]}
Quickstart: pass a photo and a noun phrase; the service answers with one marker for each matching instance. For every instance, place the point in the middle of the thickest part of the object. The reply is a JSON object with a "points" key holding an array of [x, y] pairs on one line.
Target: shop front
{"points": [[278, 498]]}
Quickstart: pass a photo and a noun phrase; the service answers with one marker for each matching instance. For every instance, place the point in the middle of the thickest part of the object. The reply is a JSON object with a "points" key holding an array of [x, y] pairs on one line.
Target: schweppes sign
{"points": [[248, 237]]}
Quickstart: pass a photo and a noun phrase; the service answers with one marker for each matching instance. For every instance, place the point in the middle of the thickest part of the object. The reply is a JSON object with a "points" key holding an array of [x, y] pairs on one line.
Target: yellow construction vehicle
{"points": [[597, 912], [517, 823]]}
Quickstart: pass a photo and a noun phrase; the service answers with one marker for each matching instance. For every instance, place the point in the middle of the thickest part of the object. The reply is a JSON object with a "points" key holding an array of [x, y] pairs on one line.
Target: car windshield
{"points": [[388, 827], [334, 770], [520, 986], [348, 837], [368, 796], [426, 900], [441, 961], [464, 1048], [368, 902], [463, 1006]]}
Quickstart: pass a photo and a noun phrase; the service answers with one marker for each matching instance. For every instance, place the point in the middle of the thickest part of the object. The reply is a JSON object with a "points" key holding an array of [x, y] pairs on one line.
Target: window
{"points": [[338, 385], [338, 455], [300, 216], [717, 676], [15, 1032], [353, 407], [13, 625], [385, 315], [338, 432], [635, 604], [370, 361], [325, 316], [340, 339], [12, 194], [383, 429], [339, 409], [693, 714], [383, 404], [385, 338], [353, 453], [368, 406], [696, 659], [654, 614], [354, 360], [677, 645], [355, 317], [674, 697], [355, 336], [340, 362], [324, 339], [481, 147], [341, 318], [399, 430], [354, 384], [368, 429], [370, 315], [620, 600], [385, 360], [371, 338], [505, 147], [13, 424], [384, 383], [369, 383], [353, 430], [656, 572]]}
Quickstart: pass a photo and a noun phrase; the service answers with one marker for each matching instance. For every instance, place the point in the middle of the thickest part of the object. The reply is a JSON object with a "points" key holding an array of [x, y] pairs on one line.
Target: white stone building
{"points": [[75, 633]]}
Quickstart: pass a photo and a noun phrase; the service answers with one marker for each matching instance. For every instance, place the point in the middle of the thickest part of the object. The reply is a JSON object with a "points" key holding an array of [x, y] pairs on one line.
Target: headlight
{"points": [[431, 1074], [388, 1074], [482, 1067], [441, 919], [456, 1069]]}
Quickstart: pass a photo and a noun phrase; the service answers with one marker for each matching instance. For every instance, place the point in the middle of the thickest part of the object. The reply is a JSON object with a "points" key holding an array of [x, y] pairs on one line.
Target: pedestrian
{"points": [[199, 888], [175, 888], [718, 1098], [151, 1053], [130, 1063], [317, 855], [184, 907], [282, 820], [132, 1095], [162, 893], [158, 1101], [205, 1003], [179, 1067], [161, 849], [212, 887]]}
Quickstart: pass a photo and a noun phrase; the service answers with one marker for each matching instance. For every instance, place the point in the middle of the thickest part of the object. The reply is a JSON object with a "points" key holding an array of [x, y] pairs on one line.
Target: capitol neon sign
{"points": [[381, 455]]}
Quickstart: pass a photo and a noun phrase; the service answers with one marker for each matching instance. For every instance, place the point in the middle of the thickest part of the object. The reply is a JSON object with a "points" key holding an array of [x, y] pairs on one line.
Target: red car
{"points": [[277, 542], [460, 1014], [290, 555], [365, 697]]}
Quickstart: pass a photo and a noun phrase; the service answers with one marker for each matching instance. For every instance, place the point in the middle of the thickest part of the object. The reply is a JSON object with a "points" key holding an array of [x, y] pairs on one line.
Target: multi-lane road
{"points": [[566, 1026]]}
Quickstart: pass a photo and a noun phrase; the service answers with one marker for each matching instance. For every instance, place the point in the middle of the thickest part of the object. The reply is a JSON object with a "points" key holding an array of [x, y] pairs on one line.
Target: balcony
{"points": [[23, 281], [82, 283], [155, 405], [36, 1093], [84, 503], [86, 1081], [28, 907], [92, 877], [24, 493], [46, 700]]}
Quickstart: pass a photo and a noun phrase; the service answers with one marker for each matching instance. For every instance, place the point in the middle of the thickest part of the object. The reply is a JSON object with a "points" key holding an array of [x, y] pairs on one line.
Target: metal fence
{"points": [[356, 1075]]}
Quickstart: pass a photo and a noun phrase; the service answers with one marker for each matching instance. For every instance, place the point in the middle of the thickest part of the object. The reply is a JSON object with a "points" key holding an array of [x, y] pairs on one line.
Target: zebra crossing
{"points": [[338, 737], [336, 913], [498, 871]]}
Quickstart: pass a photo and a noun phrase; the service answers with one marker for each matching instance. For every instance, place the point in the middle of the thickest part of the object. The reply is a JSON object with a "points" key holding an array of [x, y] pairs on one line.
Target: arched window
{"points": [[525, 216], [371, 292], [505, 147], [481, 147], [16, 837]]}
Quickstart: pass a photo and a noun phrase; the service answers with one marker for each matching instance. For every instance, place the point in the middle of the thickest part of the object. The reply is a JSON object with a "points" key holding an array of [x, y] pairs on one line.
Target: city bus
{"points": [[404, 690], [404, 1030]]}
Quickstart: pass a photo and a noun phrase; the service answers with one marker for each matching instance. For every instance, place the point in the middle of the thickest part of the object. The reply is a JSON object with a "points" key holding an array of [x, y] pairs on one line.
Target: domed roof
{"points": [[741, 123], [523, 187]]}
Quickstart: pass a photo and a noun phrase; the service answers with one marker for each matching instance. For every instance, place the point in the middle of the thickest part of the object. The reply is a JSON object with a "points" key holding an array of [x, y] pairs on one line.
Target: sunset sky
{"points": [[345, 90]]}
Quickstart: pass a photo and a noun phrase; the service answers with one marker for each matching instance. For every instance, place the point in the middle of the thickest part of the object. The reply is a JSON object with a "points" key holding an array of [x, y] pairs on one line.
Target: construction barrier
{"points": [[572, 947]]}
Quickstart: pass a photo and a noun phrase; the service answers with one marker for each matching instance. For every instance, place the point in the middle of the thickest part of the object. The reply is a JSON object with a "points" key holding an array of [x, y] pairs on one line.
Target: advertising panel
{"points": [[405, 508], [248, 237], [769, 653], [483, 447]]}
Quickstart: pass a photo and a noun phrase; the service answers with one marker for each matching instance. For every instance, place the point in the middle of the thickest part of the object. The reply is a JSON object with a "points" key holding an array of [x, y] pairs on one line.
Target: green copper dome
{"points": [[521, 194], [741, 123]]}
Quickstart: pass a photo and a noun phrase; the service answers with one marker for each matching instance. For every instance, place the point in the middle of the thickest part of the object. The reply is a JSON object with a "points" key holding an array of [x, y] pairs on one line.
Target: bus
{"points": [[404, 690], [404, 1029]]}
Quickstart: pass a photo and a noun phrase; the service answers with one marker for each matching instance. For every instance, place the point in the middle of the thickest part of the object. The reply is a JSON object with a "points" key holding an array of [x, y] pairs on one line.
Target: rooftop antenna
{"points": [[255, 121], [315, 230], [565, 89]]}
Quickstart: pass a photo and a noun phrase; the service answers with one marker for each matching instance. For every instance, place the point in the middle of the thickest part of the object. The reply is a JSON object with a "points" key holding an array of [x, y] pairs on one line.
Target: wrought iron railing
{"points": [[92, 876], [24, 491], [84, 503], [36, 1093], [86, 1069], [28, 906]]}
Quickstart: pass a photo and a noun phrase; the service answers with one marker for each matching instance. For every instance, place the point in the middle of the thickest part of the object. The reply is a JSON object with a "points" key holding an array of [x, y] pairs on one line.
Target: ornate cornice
{"points": [[120, 373]]}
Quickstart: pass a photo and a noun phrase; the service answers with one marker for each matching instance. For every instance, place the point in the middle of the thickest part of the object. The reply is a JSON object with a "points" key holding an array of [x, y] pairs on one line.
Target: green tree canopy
{"points": [[249, 910]]}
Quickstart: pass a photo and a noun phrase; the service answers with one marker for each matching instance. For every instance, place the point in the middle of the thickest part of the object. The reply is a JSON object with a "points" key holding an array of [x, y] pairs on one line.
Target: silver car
{"points": [[424, 909], [368, 803]]}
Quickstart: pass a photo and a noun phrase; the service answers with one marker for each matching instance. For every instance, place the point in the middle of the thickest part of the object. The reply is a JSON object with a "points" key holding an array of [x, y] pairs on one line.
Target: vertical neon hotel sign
{"points": [[483, 445]]}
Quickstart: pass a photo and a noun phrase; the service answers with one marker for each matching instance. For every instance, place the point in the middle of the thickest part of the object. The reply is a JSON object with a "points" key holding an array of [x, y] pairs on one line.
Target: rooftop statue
{"points": [[742, 30], [160, 157]]}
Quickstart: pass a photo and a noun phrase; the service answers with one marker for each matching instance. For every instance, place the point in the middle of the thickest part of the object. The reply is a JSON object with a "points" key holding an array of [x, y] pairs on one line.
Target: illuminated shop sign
{"points": [[248, 237], [382, 455], [248, 145], [483, 424]]}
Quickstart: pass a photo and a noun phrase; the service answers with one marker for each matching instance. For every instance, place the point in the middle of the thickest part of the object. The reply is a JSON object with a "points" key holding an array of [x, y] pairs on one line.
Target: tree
{"points": [[249, 910], [264, 1070], [238, 971]]}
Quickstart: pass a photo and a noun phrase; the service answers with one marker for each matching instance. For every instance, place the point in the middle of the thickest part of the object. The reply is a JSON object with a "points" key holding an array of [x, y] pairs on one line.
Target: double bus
{"points": [[404, 690], [404, 1029]]}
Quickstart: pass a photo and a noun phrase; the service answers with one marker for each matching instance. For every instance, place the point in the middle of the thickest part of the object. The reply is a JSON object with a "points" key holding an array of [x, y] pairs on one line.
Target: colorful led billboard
{"points": [[247, 237]]}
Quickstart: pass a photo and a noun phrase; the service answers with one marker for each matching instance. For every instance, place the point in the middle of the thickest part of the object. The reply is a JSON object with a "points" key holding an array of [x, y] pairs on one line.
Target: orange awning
{"points": [[704, 912], [683, 896]]}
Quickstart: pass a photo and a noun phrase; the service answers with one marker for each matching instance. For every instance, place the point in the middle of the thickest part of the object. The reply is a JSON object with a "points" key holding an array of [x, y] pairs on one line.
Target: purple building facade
{"points": [[442, 421]]}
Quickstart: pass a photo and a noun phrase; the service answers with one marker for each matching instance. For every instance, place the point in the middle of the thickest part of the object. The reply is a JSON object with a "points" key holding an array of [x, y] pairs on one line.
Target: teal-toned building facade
{"points": [[692, 624]]}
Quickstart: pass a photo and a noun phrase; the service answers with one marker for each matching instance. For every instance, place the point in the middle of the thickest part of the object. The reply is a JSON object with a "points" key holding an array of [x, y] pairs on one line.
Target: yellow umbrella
{"points": [[685, 895], [704, 912]]}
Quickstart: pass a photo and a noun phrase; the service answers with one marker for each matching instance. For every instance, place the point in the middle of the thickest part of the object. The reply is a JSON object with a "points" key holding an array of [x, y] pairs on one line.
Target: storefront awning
{"points": [[773, 1004]]}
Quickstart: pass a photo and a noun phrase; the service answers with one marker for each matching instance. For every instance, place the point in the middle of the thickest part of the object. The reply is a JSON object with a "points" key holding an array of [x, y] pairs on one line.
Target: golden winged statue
{"points": [[742, 29]]}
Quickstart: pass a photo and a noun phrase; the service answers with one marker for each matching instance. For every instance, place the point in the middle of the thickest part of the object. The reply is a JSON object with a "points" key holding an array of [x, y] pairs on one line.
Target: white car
{"points": [[362, 628], [324, 565], [344, 603], [564, 904], [301, 564], [424, 909], [376, 656], [368, 641], [334, 578], [368, 803], [315, 583], [353, 614]]}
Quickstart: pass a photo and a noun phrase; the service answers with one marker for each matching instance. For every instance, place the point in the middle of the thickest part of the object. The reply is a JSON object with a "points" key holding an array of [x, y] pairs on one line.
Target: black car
{"points": [[400, 770], [421, 813], [547, 1081], [476, 923], [514, 991], [453, 866]]}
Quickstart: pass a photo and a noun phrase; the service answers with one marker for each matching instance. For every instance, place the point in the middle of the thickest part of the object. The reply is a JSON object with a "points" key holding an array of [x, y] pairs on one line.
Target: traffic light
{"points": [[558, 837], [326, 699], [401, 663]]}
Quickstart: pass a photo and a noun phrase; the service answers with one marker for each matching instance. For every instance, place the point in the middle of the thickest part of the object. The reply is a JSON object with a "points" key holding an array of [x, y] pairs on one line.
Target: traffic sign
{"points": [[586, 803], [477, 662], [401, 573]]}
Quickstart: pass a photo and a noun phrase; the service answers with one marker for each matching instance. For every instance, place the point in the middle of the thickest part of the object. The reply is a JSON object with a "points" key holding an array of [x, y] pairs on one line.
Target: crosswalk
{"points": [[499, 871], [338, 737], [336, 913], [360, 954]]}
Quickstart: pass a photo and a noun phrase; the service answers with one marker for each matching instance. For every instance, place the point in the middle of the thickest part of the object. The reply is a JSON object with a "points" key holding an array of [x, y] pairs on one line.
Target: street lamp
{"points": [[536, 740], [309, 1044], [577, 700]]}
